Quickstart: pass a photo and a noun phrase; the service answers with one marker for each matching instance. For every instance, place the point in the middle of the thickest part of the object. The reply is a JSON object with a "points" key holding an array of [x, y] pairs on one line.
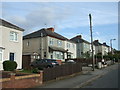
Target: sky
{"points": [[68, 18]]}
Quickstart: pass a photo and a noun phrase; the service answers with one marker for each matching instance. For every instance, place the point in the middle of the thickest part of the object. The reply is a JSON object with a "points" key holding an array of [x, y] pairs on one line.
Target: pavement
{"points": [[80, 80]]}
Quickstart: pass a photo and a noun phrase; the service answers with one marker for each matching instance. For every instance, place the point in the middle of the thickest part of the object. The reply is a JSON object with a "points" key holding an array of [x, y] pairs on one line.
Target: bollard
{"points": [[41, 77], [12, 78]]}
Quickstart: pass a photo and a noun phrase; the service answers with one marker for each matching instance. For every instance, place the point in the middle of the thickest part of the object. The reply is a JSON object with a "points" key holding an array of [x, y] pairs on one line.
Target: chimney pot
{"points": [[51, 29]]}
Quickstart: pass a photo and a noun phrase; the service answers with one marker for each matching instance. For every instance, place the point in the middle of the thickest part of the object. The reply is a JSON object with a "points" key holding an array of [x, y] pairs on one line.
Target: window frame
{"points": [[13, 36], [59, 42], [14, 56], [51, 42]]}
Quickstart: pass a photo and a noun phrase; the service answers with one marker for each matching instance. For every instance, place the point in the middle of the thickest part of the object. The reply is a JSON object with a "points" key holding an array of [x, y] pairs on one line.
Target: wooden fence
{"points": [[59, 71], [85, 61]]}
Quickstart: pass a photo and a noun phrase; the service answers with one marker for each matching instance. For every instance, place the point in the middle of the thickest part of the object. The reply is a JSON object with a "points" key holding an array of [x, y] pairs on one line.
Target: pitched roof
{"points": [[97, 43], [79, 40], [9, 25], [45, 32], [105, 45]]}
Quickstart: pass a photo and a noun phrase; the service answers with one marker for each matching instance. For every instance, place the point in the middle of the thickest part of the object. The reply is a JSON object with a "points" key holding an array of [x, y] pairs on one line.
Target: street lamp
{"points": [[111, 45], [90, 17]]}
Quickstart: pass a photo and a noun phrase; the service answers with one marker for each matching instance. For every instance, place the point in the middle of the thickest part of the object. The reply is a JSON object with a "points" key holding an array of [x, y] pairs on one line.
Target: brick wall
{"points": [[22, 81]]}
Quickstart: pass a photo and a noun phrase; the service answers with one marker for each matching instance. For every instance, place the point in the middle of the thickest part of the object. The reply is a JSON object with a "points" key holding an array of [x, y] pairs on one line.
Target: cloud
{"points": [[62, 15]]}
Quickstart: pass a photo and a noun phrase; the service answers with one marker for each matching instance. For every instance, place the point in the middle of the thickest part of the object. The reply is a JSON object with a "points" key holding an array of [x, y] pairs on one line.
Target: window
{"points": [[51, 41], [68, 45], [59, 43], [1, 54], [28, 43], [73, 46], [51, 56], [44, 54], [12, 57], [13, 36]]}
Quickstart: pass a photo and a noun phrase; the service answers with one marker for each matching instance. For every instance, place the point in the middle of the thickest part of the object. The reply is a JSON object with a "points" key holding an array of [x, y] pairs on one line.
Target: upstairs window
{"points": [[59, 42], [13, 36], [28, 43], [68, 45], [51, 41]]}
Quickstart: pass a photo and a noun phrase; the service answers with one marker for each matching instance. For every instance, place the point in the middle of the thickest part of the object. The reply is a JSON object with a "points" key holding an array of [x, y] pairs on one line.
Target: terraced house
{"points": [[47, 44], [10, 43]]}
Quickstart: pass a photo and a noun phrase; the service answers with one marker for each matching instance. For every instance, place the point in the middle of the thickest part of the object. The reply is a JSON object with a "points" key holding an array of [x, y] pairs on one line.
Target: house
{"points": [[45, 44], [98, 47], [70, 46], [106, 48], [101, 48], [10, 43], [82, 47]]}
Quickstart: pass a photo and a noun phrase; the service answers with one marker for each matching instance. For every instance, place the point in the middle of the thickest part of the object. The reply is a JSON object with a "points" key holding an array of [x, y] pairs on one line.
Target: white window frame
{"points": [[13, 36], [59, 42], [28, 43], [51, 41], [68, 45]]}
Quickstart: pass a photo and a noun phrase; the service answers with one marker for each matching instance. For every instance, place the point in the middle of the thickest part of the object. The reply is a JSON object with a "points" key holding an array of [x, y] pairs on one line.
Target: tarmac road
{"points": [[109, 80]]}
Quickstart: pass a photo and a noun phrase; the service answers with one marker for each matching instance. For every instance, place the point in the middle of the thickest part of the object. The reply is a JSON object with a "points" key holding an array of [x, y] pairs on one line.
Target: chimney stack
{"points": [[79, 36], [51, 29], [104, 43], [96, 40]]}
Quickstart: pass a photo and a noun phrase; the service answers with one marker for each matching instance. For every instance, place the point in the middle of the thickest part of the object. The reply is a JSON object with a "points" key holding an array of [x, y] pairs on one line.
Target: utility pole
{"points": [[90, 17], [41, 34]]}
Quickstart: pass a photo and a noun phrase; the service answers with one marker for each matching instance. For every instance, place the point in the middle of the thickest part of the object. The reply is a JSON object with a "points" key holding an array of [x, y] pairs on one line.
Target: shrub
{"points": [[9, 65], [35, 70]]}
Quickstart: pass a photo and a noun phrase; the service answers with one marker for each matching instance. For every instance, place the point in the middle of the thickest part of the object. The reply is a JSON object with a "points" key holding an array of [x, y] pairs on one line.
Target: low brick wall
{"points": [[22, 81]]}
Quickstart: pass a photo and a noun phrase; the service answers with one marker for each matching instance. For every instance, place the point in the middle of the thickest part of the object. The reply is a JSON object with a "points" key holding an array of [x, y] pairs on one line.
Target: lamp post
{"points": [[90, 17], [111, 45]]}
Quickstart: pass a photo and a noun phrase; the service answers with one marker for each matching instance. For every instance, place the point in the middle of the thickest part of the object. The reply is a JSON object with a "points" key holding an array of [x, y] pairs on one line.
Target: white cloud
{"points": [[61, 15]]}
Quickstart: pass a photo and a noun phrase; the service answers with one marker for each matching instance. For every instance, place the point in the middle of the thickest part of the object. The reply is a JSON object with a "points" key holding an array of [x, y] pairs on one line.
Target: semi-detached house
{"points": [[10, 43], [47, 44], [101, 48], [83, 47]]}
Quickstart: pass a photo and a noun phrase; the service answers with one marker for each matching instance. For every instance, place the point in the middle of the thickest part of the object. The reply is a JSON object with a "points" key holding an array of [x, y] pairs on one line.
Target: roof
{"points": [[71, 41], [96, 43], [2, 48], [45, 32], [57, 49], [79, 40], [9, 25], [104, 44]]}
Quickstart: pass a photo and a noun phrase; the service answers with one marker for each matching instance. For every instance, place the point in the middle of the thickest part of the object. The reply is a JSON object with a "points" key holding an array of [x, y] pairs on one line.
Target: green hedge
{"points": [[9, 65]]}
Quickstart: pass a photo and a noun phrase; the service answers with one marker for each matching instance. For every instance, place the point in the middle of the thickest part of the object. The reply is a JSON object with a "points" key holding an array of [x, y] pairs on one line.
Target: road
{"points": [[106, 78], [109, 80]]}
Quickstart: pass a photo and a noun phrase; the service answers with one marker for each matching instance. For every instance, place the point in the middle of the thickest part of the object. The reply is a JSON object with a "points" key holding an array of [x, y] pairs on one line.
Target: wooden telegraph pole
{"points": [[93, 62]]}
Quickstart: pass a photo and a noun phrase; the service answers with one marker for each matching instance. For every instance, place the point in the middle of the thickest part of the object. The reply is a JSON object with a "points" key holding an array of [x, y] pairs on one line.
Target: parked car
{"points": [[44, 63], [70, 61]]}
